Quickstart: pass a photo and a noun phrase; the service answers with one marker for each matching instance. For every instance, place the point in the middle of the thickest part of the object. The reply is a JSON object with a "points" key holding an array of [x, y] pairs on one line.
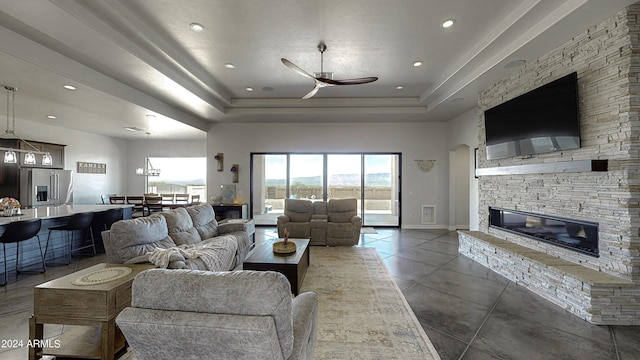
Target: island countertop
{"points": [[51, 212]]}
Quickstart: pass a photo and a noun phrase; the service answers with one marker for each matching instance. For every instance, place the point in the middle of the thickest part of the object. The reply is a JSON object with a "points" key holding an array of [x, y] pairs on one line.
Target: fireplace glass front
{"points": [[576, 235]]}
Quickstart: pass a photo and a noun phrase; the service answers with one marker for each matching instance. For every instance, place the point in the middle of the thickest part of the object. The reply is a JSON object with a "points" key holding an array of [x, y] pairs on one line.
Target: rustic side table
{"points": [[94, 306]]}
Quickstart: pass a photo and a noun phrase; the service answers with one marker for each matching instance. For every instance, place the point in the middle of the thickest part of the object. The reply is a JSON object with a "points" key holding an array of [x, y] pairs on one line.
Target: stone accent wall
{"points": [[592, 295], [607, 60]]}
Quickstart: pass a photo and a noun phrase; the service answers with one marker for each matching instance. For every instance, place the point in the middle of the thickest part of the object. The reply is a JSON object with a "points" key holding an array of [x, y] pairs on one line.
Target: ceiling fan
{"points": [[323, 79]]}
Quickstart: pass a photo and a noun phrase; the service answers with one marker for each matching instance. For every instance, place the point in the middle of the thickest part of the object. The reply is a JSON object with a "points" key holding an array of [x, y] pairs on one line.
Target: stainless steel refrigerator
{"points": [[45, 187]]}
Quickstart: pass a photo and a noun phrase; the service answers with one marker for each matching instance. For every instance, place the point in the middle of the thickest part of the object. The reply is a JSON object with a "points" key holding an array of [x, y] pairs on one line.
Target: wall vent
{"points": [[428, 214]]}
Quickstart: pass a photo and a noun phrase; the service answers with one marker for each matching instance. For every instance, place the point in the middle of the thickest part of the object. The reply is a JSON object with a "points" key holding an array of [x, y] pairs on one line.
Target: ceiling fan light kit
{"points": [[323, 79]]}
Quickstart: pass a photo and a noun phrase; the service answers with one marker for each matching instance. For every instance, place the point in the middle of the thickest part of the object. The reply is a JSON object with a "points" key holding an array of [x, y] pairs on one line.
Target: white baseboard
{"points": [[435, 227], [458, 227], [427, 227]]}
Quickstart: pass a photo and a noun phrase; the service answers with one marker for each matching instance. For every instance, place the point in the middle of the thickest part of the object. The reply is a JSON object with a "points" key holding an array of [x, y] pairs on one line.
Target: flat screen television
{"points": [[542, 120]]}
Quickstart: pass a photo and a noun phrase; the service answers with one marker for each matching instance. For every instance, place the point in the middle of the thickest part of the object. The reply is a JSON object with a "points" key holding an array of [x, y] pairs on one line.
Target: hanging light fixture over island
{"points": [[10, 156]]}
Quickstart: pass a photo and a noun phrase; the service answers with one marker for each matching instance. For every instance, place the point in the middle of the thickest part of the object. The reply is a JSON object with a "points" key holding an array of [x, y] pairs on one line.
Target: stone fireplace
{"points": [[575, 235], [601, 285]]}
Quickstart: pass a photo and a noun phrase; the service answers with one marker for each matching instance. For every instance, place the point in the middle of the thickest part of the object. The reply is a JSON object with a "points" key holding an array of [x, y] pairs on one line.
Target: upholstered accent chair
{"points": [[194, 314], [296, 219], [343, 225]]}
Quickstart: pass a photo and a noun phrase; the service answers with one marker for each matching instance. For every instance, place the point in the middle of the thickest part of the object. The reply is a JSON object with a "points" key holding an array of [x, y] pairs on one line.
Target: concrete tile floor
{"points": [[468, 312]]}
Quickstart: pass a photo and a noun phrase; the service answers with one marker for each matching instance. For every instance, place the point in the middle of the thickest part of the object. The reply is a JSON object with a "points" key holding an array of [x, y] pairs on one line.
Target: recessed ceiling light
{"points": [[448, 23], [249, 89], [229, 66], [417, 63], [196, 27], [150, 116], [133, 128], [51, 117], [514, 64], [399, 87], [267, 89], [69, 87]]}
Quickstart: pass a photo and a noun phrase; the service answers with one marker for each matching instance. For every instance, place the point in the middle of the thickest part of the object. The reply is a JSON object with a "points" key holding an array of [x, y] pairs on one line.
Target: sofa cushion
{"points": [[297, 230], [180, 227], [319, 208], [298, 210], [204, 220], [341, 210], [136, 237]]}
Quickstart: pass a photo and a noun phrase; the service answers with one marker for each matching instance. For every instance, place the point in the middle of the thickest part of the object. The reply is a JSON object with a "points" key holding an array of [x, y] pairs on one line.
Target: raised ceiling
{"points": [[129, 59]]}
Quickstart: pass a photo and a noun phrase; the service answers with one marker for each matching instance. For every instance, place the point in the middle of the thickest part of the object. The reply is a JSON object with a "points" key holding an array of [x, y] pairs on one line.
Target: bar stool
{"points": [[78, 221], [18, 231], [110, 216]]}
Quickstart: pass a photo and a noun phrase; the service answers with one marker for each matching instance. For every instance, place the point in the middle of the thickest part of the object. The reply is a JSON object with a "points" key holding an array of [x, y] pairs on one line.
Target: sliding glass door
{"points": [[381, 195], [372, 179], [306, 176], [344, 177]]}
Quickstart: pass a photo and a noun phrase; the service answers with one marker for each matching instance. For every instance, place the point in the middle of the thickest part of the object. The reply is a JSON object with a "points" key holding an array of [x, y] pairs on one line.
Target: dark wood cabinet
{"points": [[10, 173], [56, 151]]}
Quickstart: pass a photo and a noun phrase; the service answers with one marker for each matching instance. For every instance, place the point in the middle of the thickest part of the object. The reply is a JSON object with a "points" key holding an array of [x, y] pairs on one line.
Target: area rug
{"points": [[362, 312], [368, 230]]}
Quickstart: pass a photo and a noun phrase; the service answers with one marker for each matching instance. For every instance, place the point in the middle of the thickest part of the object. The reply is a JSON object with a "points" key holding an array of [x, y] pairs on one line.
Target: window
{"points": [[179, 175], [372, 179]]}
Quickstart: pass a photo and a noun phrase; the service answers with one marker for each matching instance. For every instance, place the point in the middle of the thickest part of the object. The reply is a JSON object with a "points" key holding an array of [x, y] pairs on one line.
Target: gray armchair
{"points": [[297, 218], [192, 314], [344, 224]]}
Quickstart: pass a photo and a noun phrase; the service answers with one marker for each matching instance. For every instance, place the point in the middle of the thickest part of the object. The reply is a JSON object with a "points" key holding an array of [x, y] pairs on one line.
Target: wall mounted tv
{"points": [[542, 120]]}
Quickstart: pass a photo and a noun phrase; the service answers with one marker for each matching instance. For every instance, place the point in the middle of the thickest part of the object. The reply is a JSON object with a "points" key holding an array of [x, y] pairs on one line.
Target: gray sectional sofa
{"points": [[183, 238]]}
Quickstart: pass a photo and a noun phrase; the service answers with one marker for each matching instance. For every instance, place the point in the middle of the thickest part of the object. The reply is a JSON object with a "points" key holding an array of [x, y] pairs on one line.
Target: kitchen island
{"points": [[61, 211], [54, 216]]}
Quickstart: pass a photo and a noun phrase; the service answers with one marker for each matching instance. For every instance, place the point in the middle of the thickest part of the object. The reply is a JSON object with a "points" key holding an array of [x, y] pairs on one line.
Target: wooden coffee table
{"points": [[293, 266], [94, 307]]}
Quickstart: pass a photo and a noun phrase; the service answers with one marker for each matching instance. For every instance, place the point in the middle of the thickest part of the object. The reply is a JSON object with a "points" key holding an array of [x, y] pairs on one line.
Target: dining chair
{"points": [[153, 204], [138, 205], [117, 199], [167, 198], [195, 199], [182, 198], [106, 198]]}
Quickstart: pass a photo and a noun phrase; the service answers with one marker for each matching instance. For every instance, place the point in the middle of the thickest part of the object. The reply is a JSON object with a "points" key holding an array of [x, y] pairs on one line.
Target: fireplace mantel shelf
{"points": [[546, 168]]}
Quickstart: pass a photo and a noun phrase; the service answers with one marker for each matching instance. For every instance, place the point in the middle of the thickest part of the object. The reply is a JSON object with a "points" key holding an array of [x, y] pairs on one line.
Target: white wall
{"points": [[459, 183], [463, 130], [413, 140], [82, 146]]}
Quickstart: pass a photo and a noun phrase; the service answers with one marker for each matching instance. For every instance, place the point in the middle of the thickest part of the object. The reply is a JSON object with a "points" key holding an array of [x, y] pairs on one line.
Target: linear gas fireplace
{"points": [[576, 235]]}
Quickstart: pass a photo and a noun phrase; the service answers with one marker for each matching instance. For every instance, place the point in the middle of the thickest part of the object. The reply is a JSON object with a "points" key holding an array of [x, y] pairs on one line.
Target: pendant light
{"points": [[148, 169], [29, 158], [10, 156]]}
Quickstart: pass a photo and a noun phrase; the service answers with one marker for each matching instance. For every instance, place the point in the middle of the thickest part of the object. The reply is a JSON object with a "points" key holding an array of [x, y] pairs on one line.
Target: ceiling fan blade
{"points": [[313, 91], [295, 68], [357, 81]]}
